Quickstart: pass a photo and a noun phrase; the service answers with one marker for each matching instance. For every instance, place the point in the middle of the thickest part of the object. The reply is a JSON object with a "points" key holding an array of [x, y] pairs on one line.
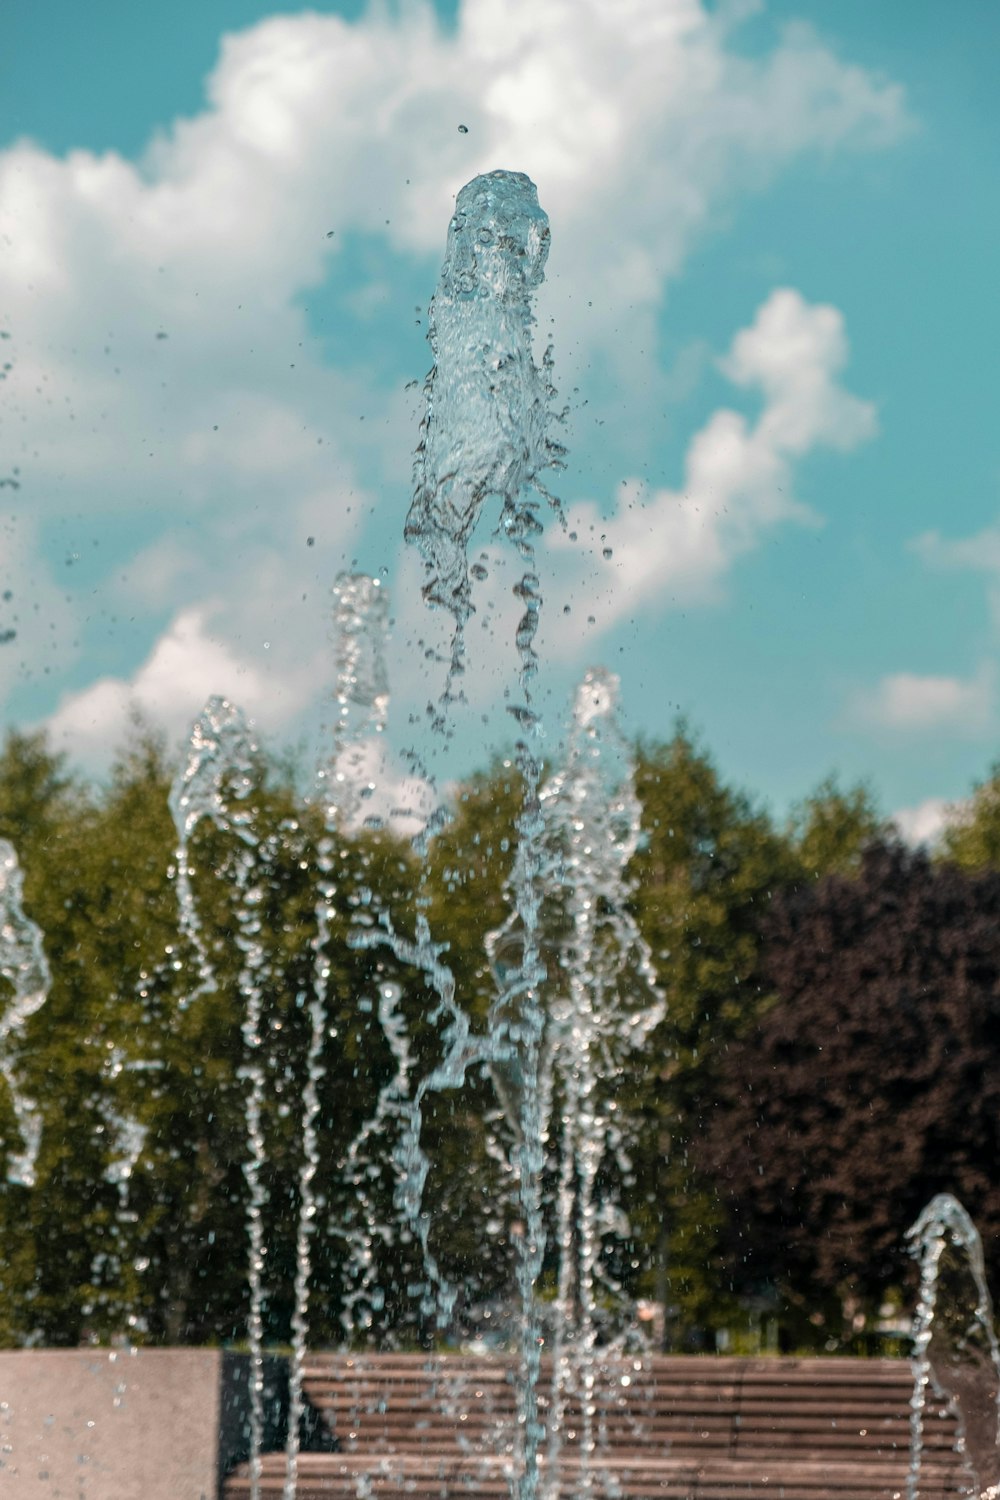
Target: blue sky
{"points": [[771, 297]]}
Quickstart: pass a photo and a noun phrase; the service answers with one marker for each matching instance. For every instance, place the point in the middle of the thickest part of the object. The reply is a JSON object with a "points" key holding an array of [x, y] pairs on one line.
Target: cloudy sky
{"points": [[771, 294]]}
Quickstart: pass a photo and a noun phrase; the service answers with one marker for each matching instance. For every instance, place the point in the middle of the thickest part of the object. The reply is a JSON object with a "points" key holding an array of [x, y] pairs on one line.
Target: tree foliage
{"points": [[830, 830], [869, 1085], [971, 836], [822, 1067], [703, 880]]}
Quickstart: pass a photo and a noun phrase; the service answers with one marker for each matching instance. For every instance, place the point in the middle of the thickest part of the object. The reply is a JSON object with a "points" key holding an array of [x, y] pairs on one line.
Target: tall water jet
{"points": [[215, 784], [25, 968], [954, 1344], [604, 1003], [486, 433], [362, 699], [485, 430]]}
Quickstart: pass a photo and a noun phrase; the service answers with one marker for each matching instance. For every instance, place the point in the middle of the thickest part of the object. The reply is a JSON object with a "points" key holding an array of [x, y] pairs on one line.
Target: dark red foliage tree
{"points": [[871, 1083]]}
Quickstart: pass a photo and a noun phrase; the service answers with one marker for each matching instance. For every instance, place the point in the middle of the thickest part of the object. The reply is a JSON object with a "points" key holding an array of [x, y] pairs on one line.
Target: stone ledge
{"points": [[123, 1424]]}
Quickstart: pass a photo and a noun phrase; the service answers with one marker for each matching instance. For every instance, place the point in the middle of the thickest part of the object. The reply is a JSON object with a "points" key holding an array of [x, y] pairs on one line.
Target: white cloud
{"points": [[676, 546], [979, 553], [187, 665], [237, 433], [909, 703], [368, 786], [926, 822]]}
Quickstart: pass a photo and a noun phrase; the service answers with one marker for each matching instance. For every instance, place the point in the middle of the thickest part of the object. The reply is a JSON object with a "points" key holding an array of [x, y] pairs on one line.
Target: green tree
{"points": [[703, 882], [830, 830], [971, 837], [126, 1061]]}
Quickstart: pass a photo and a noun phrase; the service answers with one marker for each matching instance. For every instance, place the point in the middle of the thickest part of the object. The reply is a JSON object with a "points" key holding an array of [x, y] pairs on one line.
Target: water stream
{"points": [[575, 988], [603, 1003], [486, 433], [215, 785], [25, 968], [954, 1344], [362, 700]]}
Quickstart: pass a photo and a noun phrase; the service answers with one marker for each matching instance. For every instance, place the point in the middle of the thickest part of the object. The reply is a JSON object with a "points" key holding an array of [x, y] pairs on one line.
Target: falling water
{"points": [[460, 1050], [361, 610], [25, 968], [486, 433], [126, 1134], [955, 1347], [215, 784], [363, 1224], [485, 430], [126, 1137], [605, 1003], [218, 771]]}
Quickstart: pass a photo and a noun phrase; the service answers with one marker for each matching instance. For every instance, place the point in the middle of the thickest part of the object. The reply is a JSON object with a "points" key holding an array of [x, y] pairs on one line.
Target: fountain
{"points": [[24, 966], [484, 433], [955, 1347], [553, 1040], [574, 986]]}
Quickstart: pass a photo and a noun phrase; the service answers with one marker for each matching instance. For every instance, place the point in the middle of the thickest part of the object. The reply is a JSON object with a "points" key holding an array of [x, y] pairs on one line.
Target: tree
{"points": [[703, 882], [830, 830], [137, 1221], [869, 1085], [972, 837]]}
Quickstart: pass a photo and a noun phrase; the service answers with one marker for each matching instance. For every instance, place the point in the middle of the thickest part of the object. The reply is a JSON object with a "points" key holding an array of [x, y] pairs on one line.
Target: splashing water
{"points": [[215, 785], [363, 1225], [485, 426], [25, 968], [361, 613], [486, 432], [606, 1005], [217, 773], [460, 1051], [955, 1347], [602, 1001], [360, 621]]}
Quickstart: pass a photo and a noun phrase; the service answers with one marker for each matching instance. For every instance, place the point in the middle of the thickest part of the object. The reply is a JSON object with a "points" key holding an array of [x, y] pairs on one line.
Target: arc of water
{"points": [[967, 1368], [24, 966]]}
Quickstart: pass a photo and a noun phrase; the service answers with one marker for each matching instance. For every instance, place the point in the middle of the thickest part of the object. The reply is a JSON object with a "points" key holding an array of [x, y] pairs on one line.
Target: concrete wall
{"points": [[147, 1424]]}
